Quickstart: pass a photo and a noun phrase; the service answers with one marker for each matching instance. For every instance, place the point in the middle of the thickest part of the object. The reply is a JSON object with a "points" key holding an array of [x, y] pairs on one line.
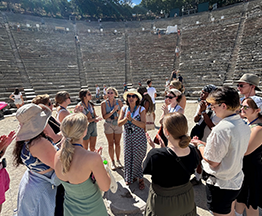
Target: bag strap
{"points": [[178, 160]]}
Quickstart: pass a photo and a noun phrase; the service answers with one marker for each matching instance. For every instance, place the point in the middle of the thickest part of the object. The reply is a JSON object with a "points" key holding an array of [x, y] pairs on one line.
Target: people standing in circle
{"points": [[133, 117], [250, 197], [224, 151], [81, 172], [17, 97], [97, 94], [5, 141], [37, 189], [110, 109], [176, 84], [62, 100], [152, 93], [170, 193], [87, 107]]}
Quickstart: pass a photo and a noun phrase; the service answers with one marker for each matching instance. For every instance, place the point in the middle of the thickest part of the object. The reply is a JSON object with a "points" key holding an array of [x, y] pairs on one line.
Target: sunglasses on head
{"points": [[131, 96], [244, 107], [169, 97]]}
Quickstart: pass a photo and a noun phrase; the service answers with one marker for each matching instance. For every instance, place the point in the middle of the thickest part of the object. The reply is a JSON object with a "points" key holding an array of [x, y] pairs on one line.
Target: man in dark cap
{"points": [[205, 120]]}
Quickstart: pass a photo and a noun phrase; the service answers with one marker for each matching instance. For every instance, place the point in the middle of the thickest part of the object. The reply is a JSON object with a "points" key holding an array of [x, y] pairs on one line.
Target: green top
{"points": [[83, 199]]}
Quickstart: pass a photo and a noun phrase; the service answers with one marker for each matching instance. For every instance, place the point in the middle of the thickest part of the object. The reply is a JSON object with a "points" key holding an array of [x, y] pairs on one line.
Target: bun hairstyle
{"points": [[176, 125], [61, 97], [73, 127]]}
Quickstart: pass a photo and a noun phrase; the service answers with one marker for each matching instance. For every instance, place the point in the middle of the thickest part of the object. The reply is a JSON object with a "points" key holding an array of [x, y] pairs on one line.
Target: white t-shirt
{"points": [[138, 109], [97, 90], [17, 96], [151, 91], [104, 91], [227, 144]]}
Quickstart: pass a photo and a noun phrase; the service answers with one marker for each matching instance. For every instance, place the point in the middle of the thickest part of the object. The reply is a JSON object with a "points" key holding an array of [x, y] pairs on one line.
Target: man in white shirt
{"points": [[152, 93]]}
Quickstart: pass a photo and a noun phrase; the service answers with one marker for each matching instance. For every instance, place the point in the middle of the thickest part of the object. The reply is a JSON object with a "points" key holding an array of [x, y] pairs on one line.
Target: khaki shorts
{"points": [[112, 129]]}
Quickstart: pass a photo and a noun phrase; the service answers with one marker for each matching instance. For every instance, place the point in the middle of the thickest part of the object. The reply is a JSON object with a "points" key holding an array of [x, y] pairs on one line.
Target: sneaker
{"points": [[118, 164], [113, 166], [194, 181]]}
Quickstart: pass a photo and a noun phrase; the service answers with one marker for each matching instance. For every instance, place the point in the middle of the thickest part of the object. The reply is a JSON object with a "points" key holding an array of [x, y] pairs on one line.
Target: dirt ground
{"points": [[10, 123]]}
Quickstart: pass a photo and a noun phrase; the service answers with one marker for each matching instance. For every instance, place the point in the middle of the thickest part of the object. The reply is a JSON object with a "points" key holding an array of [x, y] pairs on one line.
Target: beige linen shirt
{"points": [[227, 145]]}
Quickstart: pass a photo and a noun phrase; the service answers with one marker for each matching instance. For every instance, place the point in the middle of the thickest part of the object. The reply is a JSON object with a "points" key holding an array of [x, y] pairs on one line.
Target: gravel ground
{"points": [[10, 123]]}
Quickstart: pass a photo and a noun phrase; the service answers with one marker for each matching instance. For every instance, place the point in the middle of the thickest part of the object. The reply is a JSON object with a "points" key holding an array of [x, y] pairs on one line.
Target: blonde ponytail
{"points": [[72, 127]]}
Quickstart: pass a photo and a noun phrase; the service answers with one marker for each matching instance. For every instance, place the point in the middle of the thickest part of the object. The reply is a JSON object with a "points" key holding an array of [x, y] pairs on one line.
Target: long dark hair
{"points": [[145, 98], [16, 91], [82, 93], [19, 146]]}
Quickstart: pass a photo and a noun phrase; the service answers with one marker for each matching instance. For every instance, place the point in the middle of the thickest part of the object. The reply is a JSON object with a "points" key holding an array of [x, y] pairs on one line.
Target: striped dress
{"points": [[135, 145]]}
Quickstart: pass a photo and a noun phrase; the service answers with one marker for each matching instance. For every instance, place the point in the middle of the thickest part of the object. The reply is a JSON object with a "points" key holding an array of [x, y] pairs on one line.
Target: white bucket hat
{"points": [[33, 120], [132, 91]]}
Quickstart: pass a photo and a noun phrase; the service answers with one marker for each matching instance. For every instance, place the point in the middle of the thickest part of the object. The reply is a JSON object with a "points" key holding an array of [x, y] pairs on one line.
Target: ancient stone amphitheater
{"points": [[42, 56]]}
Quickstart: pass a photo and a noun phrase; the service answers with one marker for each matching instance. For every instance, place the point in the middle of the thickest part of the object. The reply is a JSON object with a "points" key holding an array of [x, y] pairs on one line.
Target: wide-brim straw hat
{"points": [[132, 91], [33, 120], [250, 79]]}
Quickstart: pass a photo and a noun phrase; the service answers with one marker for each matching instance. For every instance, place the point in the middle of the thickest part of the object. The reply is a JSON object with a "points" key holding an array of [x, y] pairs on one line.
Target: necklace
{"points": [[76, 144], [253, 121]]}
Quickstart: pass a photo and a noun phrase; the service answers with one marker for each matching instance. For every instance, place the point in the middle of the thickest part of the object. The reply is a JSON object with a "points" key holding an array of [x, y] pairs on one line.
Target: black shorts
{"points": [[154, 107], [220, 200]]}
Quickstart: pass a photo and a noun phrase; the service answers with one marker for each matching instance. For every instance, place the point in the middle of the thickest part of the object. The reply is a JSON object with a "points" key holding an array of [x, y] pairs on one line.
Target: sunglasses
{"points": [[68, 98], [169, 97], [244, 107], [131, 96], [240, 85], [88, 94], [110, 92], [49, 103], [214, 105]]}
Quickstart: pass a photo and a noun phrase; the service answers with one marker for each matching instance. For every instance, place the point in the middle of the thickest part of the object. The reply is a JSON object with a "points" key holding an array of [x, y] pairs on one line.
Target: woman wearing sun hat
{"points": [[37, 190], [133, 117]]}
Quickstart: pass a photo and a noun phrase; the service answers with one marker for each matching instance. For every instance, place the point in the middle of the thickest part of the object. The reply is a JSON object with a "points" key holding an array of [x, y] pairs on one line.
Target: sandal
{"points": [[141, 184]]}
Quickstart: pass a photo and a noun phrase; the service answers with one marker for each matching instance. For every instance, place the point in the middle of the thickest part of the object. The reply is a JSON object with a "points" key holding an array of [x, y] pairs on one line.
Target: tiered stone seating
{"points": [[205, 54], [103, 55], [49, 58], [9, 74], [250, 55], [151, 57]]}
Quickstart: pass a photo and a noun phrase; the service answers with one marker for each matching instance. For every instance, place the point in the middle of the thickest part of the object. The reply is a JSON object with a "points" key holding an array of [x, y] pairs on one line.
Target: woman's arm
{"points": [[255, 139], [5, 141], [165, 111], [182, 103], [122, 119], [44, 151], [102, 177], [21, 96], [50, 133], [11, 97], [142, 123], [103, 110]]}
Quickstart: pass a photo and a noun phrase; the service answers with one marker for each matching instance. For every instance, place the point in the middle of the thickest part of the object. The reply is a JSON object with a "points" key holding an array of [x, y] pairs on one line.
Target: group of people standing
{"points": [[65, 178]]}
